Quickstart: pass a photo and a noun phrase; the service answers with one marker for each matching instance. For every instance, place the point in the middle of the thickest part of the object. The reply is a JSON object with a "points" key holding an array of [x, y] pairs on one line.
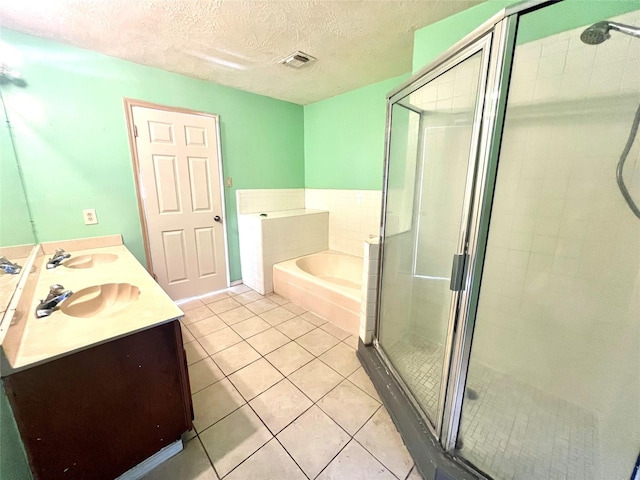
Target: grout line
{"points": [[207, 454]]}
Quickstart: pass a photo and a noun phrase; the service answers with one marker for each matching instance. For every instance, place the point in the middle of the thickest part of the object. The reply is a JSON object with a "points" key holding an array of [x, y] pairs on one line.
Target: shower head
{"points": [[599, 32]]}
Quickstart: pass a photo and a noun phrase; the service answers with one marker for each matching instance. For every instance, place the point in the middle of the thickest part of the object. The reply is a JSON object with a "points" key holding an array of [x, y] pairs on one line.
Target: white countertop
{"points": [[47, 338]]}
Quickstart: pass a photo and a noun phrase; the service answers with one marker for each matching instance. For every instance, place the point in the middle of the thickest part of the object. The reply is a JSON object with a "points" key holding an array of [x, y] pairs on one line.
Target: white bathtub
{"points": [[328, 284]]}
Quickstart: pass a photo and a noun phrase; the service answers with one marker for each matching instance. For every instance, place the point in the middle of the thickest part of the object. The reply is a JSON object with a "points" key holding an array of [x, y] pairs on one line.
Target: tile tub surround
{"points": [[59, 334], [287, 408], [328, 286], [369, 297], [269, 200], [354, 215], [276, 237]]}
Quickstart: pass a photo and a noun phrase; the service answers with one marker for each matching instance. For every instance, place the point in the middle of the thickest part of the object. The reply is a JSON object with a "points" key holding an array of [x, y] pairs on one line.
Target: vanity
{"points": [[98, 386]]}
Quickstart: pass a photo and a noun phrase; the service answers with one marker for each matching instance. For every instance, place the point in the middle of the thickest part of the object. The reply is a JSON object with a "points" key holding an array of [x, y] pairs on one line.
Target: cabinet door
{"points": [[97, 413]]}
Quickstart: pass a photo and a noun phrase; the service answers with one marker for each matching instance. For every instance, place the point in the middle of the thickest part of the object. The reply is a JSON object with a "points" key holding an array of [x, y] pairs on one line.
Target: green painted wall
{"points": [[70, 134], [13, 458], [433, 40], [344, 138], [15, 224]]}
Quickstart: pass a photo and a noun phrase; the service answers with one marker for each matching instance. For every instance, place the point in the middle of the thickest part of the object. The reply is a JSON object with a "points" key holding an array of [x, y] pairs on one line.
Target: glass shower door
{"points": [[429, 181]]}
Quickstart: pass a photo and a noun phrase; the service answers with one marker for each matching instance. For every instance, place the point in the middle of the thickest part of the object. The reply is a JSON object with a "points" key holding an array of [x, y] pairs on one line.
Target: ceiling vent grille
{"points": [[297, 60]]}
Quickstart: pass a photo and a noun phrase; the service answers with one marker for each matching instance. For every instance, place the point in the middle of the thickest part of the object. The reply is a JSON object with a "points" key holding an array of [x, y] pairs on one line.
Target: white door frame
{"points": [[129, 103]]}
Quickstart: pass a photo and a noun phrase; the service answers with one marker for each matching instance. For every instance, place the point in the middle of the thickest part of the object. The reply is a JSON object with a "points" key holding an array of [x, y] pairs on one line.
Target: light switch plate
{"points": [[229, 182], [90, 217]]}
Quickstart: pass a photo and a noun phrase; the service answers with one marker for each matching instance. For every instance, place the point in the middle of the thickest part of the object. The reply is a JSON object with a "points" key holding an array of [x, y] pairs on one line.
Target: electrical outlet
{"points": [[90, 217]]}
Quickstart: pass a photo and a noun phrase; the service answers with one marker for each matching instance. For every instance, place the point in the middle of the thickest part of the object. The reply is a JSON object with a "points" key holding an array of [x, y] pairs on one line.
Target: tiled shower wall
{"points": [[560, 298]]}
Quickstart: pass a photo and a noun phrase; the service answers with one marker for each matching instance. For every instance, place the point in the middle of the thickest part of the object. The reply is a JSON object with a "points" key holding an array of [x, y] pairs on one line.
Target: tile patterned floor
{"points": [[279, 393], [511, 431]]}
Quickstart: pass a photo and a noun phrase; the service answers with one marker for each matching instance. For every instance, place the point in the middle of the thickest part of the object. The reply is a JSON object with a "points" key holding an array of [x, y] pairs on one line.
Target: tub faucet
{"points": [[57, 294], [57, 258], [9, 267]]}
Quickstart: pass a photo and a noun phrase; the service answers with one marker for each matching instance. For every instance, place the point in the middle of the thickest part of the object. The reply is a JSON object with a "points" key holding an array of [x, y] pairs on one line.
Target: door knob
{"points": [[217, 218]]}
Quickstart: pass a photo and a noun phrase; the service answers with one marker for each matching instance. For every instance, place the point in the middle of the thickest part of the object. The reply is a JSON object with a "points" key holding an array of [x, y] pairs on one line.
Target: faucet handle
{"points": [[56, 289], [59, 251]]}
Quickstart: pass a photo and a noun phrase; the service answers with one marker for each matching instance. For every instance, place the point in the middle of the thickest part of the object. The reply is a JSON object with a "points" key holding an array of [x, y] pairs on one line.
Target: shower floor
{"points": [[512, 431]]}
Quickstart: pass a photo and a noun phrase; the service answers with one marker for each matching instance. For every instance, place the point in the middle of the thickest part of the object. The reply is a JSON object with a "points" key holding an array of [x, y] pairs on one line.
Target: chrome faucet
{"points": [[57, 294], [57, 258], [8, 266]]}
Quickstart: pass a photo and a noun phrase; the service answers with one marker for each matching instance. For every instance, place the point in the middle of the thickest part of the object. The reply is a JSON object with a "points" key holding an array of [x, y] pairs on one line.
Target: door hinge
{"points": [[457, 272], [154, 277], [135, 131]]}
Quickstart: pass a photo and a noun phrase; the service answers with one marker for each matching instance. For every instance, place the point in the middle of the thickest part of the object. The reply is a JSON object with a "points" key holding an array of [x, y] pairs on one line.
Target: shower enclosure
{"points": [[509, 291]]}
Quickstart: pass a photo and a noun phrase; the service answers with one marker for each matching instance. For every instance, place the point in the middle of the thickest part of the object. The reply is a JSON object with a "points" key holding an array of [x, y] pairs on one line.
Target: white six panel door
{"points": [[180, 183]]}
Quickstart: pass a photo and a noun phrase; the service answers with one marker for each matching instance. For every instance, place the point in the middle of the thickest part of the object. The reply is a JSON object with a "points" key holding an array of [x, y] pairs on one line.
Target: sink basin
{"points": [[91, 260], [105, 299]]}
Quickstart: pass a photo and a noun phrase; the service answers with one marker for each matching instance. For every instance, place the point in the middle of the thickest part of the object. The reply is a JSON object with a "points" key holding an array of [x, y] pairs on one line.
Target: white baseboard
{"points": [[152, 462]]}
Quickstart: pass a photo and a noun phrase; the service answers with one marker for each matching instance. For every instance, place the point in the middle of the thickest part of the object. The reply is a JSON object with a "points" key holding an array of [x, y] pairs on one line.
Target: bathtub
{"points": [[328, 284]]}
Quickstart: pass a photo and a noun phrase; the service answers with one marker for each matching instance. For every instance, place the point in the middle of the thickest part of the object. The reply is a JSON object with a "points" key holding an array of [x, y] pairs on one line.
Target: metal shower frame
{"points": [[496, 40]]}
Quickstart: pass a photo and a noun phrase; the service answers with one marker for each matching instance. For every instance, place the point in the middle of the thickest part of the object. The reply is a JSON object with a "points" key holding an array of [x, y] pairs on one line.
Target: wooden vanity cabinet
{"points": [[97, 413]]}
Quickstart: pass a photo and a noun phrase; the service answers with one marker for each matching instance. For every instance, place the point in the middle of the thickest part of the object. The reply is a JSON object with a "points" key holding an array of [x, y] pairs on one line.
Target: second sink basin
{"points": [[91, 260], [105, 299]]}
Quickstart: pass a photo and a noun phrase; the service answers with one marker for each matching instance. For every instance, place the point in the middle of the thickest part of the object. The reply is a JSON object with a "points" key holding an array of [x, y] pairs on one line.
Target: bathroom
{"points": [[269, 144]]}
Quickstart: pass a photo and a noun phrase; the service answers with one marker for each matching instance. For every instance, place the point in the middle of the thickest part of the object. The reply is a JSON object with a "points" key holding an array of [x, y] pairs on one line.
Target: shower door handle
{"points": [[457, 272]]}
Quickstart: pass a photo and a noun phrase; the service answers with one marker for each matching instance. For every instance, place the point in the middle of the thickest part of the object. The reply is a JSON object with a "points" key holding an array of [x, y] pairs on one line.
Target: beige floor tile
{"points": [[274, 297], [238, 289], [236, 315], [315, 379], [280, 405], [362, 381], [337, 332], [277, 316], [217, 341], [348, 406], [342, 359], [235, 357], [355, 463], [295, 327], [247, 297], [261, 306], [223, 305], [250, 327], [293, 308], [186, 334], [215, 402], [213, 297], [189, 304], [204, 373], [190, 464], [234, 438], [317, 341], [196, 314], [270, 462], [194, 352], [313, 440], [352, 341], [289, 358], [313, 318], [380, 437], [206, 326], [267, 341], [254, 379]]}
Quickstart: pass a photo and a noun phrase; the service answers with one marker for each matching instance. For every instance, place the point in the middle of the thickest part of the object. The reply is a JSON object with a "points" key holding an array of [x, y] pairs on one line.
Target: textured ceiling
{"points": [[239, 42]]}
